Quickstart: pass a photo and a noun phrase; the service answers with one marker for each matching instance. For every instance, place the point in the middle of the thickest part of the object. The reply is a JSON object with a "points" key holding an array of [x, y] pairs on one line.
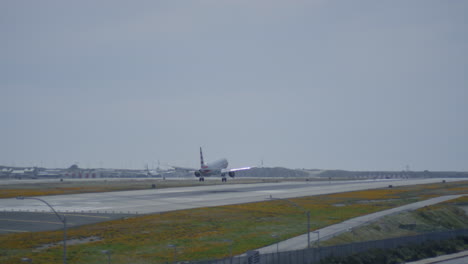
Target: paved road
{"points": [[300, 242], [162, 200], [457, 258], [463, 260]]}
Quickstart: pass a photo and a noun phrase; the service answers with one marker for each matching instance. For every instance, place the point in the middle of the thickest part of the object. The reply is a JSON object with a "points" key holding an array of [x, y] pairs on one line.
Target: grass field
{"points": [[206, 233]]}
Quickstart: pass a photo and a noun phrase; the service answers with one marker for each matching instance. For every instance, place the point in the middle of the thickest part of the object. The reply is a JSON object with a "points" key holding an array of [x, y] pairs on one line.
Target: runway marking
{"points": [[33, 221], [68, 214], [15, 231]]}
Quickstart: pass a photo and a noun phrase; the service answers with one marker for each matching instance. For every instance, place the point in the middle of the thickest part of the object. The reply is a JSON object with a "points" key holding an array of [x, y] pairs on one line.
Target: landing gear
{"points": [[201, 179], [224, 179]]}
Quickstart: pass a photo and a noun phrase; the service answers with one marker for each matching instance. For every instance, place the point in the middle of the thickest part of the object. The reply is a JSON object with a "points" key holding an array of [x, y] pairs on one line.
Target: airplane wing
{"points": [[241, 169], [183, 169]]}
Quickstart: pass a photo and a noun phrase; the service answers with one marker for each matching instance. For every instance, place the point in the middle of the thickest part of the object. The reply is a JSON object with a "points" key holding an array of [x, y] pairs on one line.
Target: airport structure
{"points": [[75, 172]]}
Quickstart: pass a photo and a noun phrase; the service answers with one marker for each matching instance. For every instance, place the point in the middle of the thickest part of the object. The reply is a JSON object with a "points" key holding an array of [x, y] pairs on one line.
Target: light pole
{"points": [[175, 251], [318, 241], [308, 217], [308, 229], [230, 249], [318, 237], [108, 253], [277, 243], [61, 218]]}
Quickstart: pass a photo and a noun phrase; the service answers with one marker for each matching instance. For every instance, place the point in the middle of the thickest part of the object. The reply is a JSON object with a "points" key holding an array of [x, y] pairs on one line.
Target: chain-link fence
{"points": [[314, 255]]}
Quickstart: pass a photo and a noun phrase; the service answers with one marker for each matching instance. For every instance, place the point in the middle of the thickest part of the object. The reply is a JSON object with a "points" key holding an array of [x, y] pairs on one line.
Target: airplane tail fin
{"points": [[202, 163], [148, 173]]}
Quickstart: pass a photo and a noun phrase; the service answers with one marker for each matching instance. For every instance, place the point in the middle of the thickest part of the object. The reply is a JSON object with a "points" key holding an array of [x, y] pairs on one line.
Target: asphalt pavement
{"points": [[456, 258], [162, 200], [32, 215], [15, 222]]}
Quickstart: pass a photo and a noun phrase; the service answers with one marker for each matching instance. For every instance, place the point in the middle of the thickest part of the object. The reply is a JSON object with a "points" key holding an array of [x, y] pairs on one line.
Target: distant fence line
{"points": [[314, 255]]}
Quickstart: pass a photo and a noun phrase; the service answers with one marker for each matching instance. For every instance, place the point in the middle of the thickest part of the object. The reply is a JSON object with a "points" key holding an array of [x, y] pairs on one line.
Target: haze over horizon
{"points": [[354, 85]]}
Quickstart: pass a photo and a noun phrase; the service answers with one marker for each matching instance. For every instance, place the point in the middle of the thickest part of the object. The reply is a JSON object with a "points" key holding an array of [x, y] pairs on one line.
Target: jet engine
{"points": [[231, 174], [197, 173]]}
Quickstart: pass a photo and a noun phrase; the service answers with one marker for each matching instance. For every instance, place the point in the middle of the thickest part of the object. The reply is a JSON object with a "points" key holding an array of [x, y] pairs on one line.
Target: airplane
{"points": [[158, 172], [218, 167]]}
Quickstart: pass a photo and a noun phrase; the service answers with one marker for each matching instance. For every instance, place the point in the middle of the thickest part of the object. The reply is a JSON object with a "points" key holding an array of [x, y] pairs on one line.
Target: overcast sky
{"points": [[356, 85]]}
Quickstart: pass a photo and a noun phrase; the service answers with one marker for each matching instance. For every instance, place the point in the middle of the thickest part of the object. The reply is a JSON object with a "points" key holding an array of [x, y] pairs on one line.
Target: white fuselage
{"points": [[218, 167], [214, 168]]}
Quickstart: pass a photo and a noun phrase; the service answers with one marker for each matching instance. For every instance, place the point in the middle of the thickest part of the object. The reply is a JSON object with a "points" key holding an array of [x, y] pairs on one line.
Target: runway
{"points": [[18, 222], [120, 204]]}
